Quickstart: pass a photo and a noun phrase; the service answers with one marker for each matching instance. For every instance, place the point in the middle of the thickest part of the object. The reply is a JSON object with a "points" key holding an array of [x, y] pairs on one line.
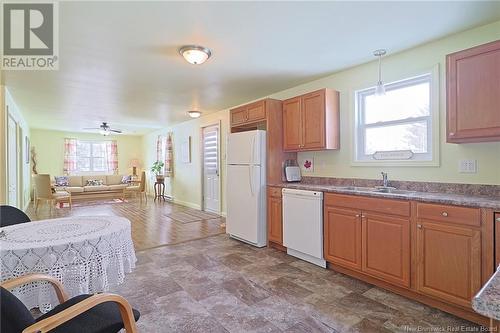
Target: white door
{"points": [[211, 195], [12, 159]]}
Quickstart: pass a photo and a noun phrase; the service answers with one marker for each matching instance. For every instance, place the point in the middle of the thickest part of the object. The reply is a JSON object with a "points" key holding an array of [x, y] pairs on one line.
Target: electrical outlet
{"points": [[467, 166]]}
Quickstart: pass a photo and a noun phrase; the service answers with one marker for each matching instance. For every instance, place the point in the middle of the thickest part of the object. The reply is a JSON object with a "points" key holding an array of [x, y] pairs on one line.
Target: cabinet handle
{"points": [[362, 216], [419, 226], [357, 215], [445, 214], [452, 134]]}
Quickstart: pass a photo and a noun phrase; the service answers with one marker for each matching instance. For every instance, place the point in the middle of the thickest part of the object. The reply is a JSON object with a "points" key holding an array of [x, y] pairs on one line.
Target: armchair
{"points": [[99, 313]]}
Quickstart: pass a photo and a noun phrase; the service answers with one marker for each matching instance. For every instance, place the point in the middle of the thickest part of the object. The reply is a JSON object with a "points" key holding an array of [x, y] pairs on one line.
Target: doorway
{"points": [[210, 168]]}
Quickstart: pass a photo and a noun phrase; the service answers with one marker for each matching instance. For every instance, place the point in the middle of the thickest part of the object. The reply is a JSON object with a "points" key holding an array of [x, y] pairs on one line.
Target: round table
{"points": [[88, 254]]}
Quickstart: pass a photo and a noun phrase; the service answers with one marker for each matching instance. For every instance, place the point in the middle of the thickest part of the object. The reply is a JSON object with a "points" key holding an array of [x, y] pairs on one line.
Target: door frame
{"points": [[18, 157], [202, 164]]}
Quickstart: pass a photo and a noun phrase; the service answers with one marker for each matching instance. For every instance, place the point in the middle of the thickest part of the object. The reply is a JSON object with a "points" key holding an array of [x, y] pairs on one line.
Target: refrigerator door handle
{"points": [[250, 178]]}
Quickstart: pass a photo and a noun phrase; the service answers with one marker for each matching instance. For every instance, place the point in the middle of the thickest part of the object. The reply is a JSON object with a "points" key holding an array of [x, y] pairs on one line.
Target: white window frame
{"points": [[430, 158], [92, 171]]}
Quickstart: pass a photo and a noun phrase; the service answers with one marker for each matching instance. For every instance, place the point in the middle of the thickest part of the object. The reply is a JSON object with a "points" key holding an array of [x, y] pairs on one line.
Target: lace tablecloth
{"points": [[87, 254]]}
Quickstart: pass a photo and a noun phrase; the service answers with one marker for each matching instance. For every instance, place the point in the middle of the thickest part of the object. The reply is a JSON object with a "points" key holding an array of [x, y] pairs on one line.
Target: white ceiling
{"points": [[119, 60]]}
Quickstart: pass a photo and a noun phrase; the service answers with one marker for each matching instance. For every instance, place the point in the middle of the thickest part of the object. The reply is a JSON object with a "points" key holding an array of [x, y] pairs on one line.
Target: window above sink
{"points": [[398, 128]]}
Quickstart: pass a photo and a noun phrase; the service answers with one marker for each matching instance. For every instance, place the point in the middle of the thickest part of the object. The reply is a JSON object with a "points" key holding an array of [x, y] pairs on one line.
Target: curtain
{"points": [[69, 156], [158, 148], [112, 156], [169, 156]]}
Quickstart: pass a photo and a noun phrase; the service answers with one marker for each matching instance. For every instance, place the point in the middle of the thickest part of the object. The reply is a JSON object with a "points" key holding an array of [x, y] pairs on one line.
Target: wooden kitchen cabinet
{"points": [[473, 94], [274, 215], [250, 113], [342, 237], [448, 262], [369, 235], [386, 247], [311, 121]]}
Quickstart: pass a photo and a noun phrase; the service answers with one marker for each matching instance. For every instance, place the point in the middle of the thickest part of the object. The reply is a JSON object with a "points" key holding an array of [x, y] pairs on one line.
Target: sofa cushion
{"points": [[102, 178], [61, 180], [74, 189], [96, 188], [114, 179], [117, 187], [75, 181]]}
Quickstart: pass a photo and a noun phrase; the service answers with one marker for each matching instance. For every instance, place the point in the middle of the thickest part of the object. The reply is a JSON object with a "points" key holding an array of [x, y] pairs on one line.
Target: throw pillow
{"points": [[126, 179], [62, 180], [94, 182]]}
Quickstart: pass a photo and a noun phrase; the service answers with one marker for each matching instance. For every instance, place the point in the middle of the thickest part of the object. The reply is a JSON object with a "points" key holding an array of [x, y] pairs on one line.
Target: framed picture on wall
{"points": [[186, 150], [26, 150]]}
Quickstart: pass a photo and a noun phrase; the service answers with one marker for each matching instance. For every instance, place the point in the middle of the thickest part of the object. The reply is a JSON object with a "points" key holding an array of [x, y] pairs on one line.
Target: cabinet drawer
{"points": [[450, 214], [387, 206], [274, 191], [256, 111]]}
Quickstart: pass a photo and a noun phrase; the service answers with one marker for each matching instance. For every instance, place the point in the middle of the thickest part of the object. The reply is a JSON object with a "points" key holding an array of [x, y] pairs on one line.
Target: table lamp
{"points": [[134, 164]]}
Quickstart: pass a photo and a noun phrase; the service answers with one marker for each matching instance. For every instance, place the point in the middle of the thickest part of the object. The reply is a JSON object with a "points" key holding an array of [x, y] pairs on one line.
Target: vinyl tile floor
{"points": [[218, 284]]}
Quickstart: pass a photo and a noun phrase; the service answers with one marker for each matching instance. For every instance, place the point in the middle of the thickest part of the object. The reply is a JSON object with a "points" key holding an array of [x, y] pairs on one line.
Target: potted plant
{"points": [[156, 169]]}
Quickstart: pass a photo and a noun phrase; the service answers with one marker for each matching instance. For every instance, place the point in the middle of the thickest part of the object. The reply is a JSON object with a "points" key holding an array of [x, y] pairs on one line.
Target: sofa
{"points": [[83, 185]]}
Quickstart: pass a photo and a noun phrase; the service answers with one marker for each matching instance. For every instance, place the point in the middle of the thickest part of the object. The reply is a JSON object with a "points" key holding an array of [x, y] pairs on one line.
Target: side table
{"points": [[159, 190]]}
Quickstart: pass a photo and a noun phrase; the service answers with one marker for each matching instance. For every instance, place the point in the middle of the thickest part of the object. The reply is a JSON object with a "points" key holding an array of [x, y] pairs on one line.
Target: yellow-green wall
{"points": [[49, 147], [396, 67], [186, 184]]}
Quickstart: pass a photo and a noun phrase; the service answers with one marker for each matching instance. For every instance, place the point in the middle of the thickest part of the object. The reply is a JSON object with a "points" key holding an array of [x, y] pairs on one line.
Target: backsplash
{"points": [[452, 188]]}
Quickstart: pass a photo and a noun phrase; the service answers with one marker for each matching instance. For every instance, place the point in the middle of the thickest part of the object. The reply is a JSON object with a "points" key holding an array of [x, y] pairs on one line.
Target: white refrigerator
{"points": [[246, 187]]}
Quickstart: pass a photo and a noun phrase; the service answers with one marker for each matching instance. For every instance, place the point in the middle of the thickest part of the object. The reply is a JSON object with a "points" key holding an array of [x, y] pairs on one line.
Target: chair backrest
{"points": [[11, 215], [15, 316], [42, 186], [142, 186]]}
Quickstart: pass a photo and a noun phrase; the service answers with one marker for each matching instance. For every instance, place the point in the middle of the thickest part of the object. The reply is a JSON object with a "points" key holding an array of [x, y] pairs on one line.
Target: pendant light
{"points": [[380, 89]]}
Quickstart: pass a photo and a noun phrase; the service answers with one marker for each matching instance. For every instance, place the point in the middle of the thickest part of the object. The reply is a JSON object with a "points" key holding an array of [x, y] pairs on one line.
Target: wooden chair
{"points": [[141, 188], [97, 313], [43, 191], [10, 215]]}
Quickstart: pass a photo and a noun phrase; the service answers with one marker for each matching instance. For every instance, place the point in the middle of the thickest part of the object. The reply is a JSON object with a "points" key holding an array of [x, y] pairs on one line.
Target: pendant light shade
{"points": [[380, 88], [195, 54]]}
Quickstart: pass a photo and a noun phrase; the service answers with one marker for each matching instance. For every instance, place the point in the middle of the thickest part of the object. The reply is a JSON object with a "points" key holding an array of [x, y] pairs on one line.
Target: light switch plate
{"points": [[467, 166]]}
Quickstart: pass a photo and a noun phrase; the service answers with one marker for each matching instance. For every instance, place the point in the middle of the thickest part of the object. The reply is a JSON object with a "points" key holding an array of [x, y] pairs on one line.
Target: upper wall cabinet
{"points": [[247, 114], [473, 94], [311, 121]]}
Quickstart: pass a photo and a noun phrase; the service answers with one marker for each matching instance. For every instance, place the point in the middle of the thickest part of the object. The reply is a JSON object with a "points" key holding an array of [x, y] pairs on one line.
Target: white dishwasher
{"points": [[303, 225]]}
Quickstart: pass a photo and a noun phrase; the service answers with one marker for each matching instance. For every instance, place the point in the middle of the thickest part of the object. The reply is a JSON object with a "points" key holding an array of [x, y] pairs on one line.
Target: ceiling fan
{"points": [[104, 129]]}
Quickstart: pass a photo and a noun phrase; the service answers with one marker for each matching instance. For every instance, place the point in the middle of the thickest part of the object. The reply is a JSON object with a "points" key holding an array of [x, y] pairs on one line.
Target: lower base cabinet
{"points": [[274, 215], [431, 251], [448, 262]]}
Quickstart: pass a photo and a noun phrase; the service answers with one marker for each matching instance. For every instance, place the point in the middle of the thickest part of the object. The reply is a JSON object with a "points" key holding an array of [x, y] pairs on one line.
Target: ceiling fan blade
{"points": [[113, 130], [91, 128]]}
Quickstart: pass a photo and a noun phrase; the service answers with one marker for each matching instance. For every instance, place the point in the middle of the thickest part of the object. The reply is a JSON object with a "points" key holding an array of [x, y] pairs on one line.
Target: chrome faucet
{"points": [[385, 181]]}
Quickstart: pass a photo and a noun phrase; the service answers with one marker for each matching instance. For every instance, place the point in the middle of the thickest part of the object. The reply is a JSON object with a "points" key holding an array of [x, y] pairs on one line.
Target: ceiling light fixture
{"points": [[195, 54], [194, 114], [380, 89]]}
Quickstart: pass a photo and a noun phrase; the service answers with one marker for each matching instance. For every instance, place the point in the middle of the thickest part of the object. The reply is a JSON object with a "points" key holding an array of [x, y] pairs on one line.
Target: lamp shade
{"points": [[134, 163]]}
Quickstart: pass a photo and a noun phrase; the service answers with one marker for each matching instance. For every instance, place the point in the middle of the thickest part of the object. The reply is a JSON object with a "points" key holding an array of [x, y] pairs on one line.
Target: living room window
{"points": [[398, 125], [90, 157]]}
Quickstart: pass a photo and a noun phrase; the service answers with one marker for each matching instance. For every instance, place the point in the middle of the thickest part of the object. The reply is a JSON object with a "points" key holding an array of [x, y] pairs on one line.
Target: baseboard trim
{"points": [[186, 204]]}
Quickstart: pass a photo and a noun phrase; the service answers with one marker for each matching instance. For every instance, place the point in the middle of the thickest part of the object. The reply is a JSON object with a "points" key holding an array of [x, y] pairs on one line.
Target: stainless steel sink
{"points": [[392, 190], [359, 188]]}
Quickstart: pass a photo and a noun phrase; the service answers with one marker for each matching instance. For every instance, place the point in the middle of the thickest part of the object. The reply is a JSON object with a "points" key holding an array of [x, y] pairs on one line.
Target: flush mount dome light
{"points": [[194, 114], [195, 54]]}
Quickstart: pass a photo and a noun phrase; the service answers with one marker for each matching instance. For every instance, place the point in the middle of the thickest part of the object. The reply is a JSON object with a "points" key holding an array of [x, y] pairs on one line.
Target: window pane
{"points": [[398, 103], [98, 149], [411, 136], [83, 149], [83, 164], [99, 164]]}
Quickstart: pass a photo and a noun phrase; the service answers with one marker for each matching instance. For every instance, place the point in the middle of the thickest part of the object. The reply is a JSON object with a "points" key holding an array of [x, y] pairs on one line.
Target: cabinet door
{"points": [[313, 120], [292, 127], [386, 248], [239, 116], [342, 237], [448, 262], [473, 81], [274, 219], [256, 111]]}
